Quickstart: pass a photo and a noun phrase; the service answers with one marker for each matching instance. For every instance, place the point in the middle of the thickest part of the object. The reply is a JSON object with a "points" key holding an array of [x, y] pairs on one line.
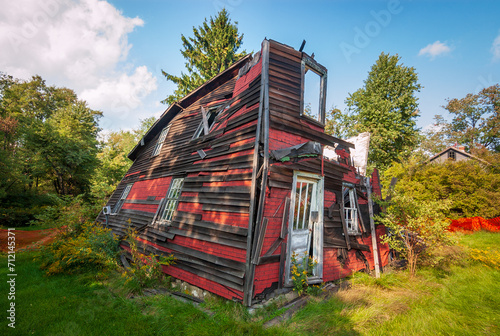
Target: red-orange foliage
{"points": [[475, 224]]}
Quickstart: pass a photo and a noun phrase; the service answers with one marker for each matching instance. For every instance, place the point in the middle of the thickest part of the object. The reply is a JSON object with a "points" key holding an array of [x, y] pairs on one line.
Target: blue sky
{"points": [[112, 53]]}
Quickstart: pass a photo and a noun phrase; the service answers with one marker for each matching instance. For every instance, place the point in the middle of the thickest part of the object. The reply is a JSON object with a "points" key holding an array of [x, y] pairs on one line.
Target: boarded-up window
{"points": [[171, 201], [122, 199], [161, 140]]}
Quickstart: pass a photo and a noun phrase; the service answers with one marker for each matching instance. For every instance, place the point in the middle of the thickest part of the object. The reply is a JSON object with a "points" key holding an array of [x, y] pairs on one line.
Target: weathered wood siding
{"points": [[208, 232]]}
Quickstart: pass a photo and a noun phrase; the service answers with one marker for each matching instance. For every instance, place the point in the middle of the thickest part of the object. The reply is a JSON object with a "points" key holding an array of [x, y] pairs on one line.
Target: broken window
{"points": [[169, 204], [350, 210], [451, 155], [161, 140], [122, 199], [313, 90], [211, 114]]}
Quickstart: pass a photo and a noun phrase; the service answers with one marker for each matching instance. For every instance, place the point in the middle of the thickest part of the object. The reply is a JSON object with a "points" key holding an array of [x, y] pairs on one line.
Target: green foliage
{"points": [[301, 270], [338, 124], [476, 120], [80, 248], [145, 270], [48, 138], [212, 50], [471, 188], [113, 159], [416, 228], [387, 108]]}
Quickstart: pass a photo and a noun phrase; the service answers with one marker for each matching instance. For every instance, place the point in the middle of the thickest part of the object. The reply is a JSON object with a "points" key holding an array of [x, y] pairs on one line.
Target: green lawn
{"points": [[459, 299]]}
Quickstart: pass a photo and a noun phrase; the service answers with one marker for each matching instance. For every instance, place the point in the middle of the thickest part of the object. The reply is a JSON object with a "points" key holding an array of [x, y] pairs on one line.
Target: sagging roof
{"points": [[178, 106]]}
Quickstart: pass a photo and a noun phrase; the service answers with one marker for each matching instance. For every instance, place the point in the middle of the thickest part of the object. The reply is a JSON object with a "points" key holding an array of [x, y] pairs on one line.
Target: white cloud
{"points": [[435, 49], [121, 94], [80, 44], [495, 48]]}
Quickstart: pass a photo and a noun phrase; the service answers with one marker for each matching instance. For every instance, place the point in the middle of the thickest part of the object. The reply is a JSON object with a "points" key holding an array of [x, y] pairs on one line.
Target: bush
{"points": [[145, 270], [80, 248], [417, 229], [472, 188]]}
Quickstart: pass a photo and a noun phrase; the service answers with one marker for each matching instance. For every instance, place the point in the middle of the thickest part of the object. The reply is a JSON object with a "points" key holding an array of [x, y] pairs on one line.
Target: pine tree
{"points": [[212, 50]]}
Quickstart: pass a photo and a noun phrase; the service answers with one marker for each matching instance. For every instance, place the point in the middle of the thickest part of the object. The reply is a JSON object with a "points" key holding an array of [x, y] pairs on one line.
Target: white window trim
{"points": [[161, 140], [169, 204], [121, 200], [351, 214]]}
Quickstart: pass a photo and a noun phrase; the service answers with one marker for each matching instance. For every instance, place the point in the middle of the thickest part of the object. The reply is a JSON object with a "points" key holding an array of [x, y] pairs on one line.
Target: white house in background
{"points": [[454, 153]]}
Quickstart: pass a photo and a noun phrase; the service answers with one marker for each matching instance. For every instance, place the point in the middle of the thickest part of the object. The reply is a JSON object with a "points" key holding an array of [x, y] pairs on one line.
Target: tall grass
{"points": [[460, 298]]}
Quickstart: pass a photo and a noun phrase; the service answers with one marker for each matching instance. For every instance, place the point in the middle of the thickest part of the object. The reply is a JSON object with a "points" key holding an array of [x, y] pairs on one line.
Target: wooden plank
{"points": [[225, 208], [284, 222], [282, 264], [205, 237], [241, 231], [273, 247], [259, 242], [268, 259]]}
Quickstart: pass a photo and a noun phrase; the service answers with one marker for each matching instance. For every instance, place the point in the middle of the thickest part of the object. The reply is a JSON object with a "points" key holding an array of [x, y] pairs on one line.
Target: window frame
{"points": [[309, 64], [216, 109], [161, 140], [118, 205], [170, 203], [351, 214]]}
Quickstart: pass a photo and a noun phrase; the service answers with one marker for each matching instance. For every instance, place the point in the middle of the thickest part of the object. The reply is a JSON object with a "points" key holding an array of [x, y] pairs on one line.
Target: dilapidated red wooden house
{"points": [[232, 181]]}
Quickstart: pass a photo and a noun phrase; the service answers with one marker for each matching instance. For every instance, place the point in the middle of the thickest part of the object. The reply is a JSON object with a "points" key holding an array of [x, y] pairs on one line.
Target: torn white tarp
{"points": [[359, 154]]}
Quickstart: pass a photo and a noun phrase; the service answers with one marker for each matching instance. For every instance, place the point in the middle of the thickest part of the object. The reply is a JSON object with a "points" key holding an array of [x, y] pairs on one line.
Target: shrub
{"points": [[417, 228], [145, 270], [80, 248]]}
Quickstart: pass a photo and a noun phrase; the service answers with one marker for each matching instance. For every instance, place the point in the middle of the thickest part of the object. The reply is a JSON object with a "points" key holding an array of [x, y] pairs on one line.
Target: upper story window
{"points": [[161, 140], [350, 210], [122, 199], [452, 155], [313, 90], [210, 114], [169, 204]]}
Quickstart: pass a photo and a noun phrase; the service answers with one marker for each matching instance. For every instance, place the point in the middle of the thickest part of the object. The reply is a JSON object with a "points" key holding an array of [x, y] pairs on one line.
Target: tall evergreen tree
{"points": [[212, 50], [387, 108]]}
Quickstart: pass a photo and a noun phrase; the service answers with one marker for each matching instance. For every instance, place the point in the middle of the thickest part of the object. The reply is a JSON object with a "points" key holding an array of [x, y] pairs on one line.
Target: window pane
{"points": [[172, 199]]}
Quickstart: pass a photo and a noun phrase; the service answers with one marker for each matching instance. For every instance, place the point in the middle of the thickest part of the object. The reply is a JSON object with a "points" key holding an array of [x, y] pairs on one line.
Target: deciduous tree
{"points": [[476, 120], [387, 108]]}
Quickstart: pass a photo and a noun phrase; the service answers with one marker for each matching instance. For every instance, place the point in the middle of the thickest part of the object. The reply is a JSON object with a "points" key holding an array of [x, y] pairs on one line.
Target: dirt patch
{"points": [[27, 239]]}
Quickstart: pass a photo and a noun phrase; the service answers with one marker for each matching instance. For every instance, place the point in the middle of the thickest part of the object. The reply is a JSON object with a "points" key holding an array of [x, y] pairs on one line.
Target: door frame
{"points": [[318, 227]]}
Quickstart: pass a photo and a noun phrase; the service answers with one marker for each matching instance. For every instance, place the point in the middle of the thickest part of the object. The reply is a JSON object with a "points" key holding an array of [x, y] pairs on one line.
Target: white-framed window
{"points": [[351, 210], [313, 93], [161, 140], [169, 204], [122, 199], [211, 114]]}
